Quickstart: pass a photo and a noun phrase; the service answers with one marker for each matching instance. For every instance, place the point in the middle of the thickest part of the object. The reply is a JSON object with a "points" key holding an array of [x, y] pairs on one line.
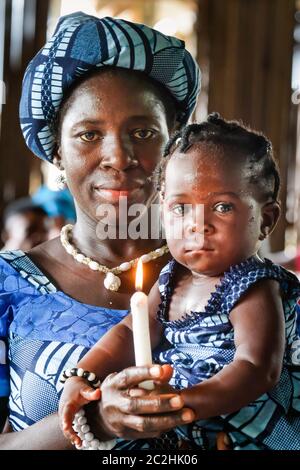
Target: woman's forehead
{"points": [[106, 91]]}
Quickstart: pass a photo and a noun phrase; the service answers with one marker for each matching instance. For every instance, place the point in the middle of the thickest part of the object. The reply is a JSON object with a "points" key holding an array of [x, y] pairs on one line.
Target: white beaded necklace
{"points": [[111, 280]]}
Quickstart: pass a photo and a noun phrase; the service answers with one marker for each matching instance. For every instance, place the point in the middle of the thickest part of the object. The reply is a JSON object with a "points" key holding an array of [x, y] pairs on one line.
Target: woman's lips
{"points": [[114, 195]]}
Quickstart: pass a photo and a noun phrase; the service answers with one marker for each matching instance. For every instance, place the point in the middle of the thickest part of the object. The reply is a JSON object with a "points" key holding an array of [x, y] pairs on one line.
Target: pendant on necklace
{"points": [[112, 282]]}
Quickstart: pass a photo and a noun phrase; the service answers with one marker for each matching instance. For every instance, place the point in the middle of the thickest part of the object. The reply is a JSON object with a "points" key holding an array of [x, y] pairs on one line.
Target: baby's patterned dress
{"points": [[202, 343]]}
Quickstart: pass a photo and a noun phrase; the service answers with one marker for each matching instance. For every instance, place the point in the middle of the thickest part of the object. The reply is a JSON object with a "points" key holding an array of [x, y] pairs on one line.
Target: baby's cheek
{"points": [[174, 227], [176, 250], [253, 225]]}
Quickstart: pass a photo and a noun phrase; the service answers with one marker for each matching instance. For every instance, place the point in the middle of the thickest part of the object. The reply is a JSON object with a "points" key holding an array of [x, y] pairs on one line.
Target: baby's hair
{"points": [[232, 135]]}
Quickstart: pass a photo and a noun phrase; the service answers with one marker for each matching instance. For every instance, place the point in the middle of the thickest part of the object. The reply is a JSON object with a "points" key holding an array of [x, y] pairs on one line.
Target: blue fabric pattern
{"points": [[42, 332], [203, 343], [298, 316], [82, 43]]}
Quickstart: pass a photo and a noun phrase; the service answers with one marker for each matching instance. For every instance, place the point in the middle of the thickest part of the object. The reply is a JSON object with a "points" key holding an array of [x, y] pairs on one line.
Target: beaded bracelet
{"points": [[79, 372], [89, 441]]}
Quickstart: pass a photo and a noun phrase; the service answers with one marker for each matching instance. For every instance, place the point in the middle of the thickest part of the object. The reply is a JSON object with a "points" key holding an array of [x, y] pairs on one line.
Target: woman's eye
{"points": [[178, 209], [143, 133], [89, 136], [223, 207]]}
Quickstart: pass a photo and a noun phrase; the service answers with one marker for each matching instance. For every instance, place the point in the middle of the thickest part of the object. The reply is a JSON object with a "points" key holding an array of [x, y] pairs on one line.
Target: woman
{"points": [[99, 101]]}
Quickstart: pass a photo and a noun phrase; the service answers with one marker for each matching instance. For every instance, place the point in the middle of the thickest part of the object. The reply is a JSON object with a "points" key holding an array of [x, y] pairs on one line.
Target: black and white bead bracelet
{"points": [[79, 372]]}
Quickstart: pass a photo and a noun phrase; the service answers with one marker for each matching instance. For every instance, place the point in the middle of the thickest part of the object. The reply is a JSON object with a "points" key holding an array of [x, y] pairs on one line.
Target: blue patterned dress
{"points": [[203, 343], [44, 331]]}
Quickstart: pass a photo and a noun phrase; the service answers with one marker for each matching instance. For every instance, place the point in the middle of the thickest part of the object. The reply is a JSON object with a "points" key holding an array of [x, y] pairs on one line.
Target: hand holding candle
{"points": [[140, 326]]}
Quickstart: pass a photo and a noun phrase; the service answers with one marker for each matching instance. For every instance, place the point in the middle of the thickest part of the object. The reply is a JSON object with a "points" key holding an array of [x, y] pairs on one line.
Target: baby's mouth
{"points": [[197, 247]]}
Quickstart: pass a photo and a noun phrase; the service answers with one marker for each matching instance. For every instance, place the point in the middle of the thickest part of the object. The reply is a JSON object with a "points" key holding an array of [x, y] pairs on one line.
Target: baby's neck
{"points": [[200, 279], [204, 279], [193, 295]]}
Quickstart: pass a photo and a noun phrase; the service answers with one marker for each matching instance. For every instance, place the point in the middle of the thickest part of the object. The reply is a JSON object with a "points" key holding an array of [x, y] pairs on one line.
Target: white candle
{"points": [[140, 327]]}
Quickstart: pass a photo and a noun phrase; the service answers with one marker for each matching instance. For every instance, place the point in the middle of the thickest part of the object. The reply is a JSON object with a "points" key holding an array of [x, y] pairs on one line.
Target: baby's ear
{"points": [[161, 212], [270, 214]]}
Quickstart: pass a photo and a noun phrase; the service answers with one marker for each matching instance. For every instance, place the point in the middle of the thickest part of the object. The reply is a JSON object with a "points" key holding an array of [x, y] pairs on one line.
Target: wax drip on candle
{"points": [[139, 276]]}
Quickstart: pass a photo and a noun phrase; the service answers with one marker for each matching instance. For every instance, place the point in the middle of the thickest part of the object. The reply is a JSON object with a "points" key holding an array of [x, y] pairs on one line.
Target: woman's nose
{"points": [[118, 153]]}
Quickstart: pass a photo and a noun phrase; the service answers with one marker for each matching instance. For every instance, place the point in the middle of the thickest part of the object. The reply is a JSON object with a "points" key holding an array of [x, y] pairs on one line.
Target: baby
{"points": [[228, 315]]}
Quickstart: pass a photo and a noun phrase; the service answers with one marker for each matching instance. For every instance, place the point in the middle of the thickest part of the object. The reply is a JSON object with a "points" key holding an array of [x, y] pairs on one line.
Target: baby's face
{"points": [[211, 216]]}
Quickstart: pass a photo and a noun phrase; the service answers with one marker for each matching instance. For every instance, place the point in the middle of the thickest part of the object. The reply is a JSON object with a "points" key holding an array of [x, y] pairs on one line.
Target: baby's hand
{"points": [[76, 394]]}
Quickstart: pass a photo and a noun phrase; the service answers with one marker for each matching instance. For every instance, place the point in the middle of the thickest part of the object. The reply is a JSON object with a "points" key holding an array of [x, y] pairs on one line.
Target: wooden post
{"points": [[250, 44], [16, 160]]}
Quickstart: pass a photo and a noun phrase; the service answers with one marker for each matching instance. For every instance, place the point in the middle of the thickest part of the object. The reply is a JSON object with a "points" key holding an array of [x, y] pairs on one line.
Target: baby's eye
{"points": [[223, 207], [143, 133], [89, 136], [178, 209]]}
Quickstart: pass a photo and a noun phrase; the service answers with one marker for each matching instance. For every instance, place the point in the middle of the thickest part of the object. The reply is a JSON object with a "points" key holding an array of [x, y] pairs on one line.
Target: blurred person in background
{"points": [[56, 199], [25, 225], [288, 259], [59, 207]]}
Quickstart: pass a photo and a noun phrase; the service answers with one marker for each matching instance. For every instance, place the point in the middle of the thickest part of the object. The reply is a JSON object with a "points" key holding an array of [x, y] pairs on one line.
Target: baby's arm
{"points": [[259, 335], [112, 353]]}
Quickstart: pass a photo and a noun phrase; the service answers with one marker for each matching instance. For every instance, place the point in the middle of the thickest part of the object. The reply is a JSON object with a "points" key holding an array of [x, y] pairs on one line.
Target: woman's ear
{"points": [[57, 158], [270, 215]]}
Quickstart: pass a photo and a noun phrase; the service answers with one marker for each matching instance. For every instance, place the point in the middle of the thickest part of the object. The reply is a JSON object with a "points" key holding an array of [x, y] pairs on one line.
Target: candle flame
{"points": [[139, 275]]}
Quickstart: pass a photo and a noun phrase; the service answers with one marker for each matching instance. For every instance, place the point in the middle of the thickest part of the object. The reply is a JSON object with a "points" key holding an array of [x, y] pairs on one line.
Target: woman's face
{"points": [[113, 130]]}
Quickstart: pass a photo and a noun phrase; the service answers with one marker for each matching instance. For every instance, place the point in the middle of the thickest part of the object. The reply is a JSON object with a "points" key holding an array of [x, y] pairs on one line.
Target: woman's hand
{"points": [[132, 413]]}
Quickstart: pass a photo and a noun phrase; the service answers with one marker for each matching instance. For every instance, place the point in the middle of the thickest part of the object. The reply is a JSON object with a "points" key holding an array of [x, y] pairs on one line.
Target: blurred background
{"points": [[249, 54]]}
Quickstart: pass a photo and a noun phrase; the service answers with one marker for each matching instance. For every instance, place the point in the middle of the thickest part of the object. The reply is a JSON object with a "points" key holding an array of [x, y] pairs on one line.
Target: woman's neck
{"points": [[109, 250]]}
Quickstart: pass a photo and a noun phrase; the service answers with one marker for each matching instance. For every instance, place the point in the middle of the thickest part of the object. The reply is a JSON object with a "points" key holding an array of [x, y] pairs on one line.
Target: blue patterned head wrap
{"points": [[82, 42]]}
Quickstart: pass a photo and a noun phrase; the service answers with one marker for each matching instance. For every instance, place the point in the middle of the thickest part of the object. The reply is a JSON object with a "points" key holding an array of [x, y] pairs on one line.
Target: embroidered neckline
{"points": [[13, 258], [216, 297]]}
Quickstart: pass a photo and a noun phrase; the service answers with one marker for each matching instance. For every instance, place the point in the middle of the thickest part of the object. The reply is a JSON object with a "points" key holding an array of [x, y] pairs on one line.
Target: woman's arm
{"points": [[44, 435], [259, 336]]}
